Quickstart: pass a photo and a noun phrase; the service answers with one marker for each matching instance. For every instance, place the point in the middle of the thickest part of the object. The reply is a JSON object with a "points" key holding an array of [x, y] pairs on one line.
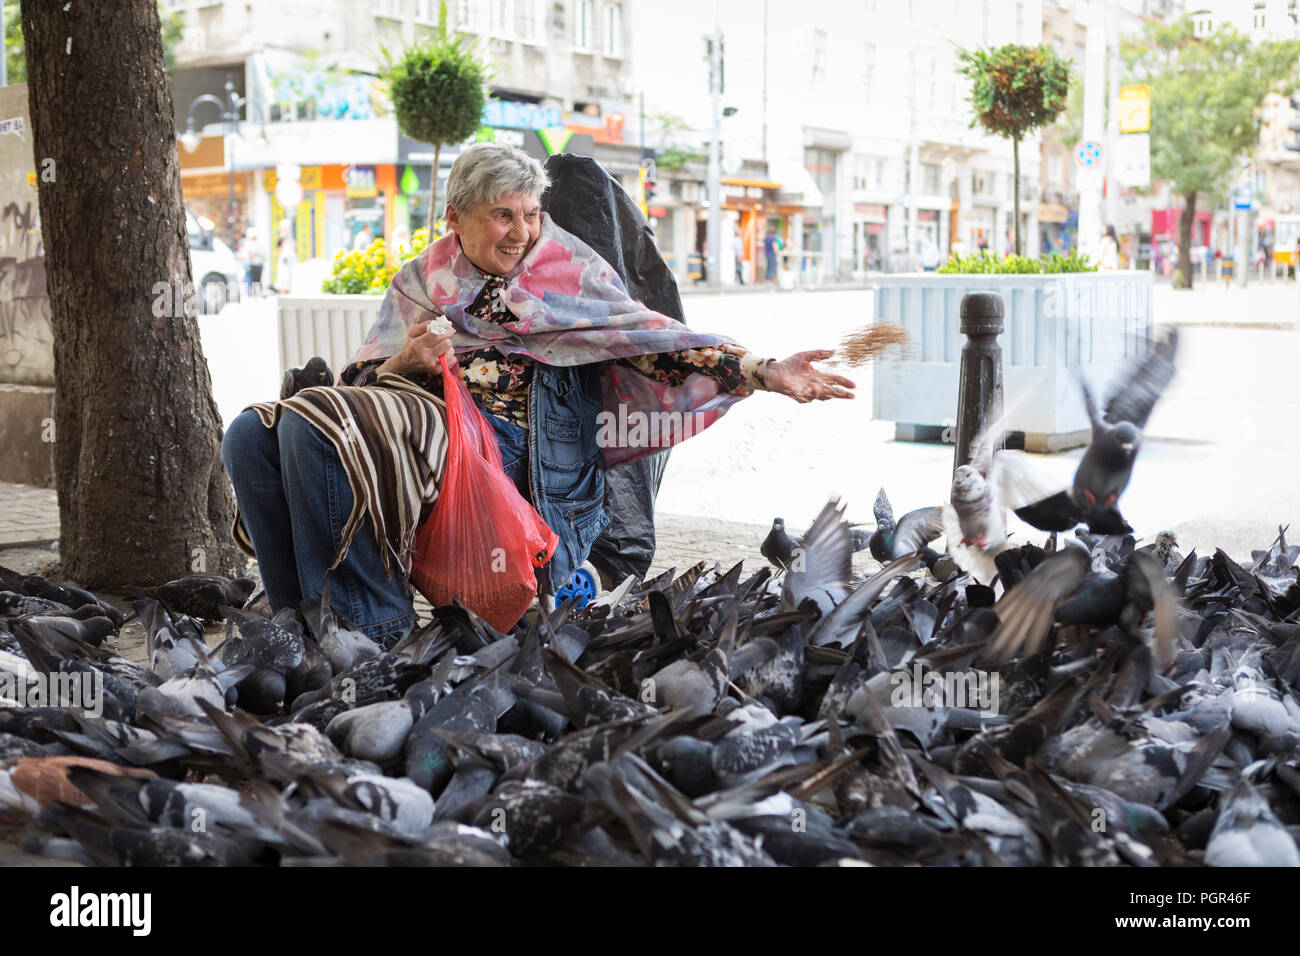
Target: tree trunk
{"points": [[1185, 238], [433, 194], [1015, 159], [143, 497]]}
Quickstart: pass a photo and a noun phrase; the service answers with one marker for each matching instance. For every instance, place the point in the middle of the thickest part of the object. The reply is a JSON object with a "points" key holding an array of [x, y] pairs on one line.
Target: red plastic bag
{"points": [[482, 539]]}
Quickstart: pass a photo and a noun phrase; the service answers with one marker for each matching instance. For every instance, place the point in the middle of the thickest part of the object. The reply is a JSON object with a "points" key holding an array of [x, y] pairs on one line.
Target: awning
{"points": [[797, 186], [752, 183]]}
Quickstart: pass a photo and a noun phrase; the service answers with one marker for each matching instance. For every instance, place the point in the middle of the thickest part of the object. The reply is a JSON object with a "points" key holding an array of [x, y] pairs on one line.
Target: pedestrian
{"points": [[772, 247], [254, 259], [739, 245], [930, 255], [299, 479], [286, 254], [1108, 249], [364, 239]]}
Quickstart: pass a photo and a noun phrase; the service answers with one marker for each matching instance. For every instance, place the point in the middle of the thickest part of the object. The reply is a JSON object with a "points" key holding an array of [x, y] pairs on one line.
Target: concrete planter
{"points": [[331, 326], [1056, 327]]}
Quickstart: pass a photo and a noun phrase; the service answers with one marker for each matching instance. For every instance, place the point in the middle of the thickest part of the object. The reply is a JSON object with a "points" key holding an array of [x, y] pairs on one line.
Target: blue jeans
{"points": [[294, 498]]}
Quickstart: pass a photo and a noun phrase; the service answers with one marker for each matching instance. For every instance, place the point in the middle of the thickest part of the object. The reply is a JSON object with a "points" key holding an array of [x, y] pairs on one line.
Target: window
{"points": [[585, 27], [868, 70], [931, 178], [612, 44], [426, 11], [1202, 22], [383, 8], [535, 21], [467, 16], [501, 18], [819, 56]]}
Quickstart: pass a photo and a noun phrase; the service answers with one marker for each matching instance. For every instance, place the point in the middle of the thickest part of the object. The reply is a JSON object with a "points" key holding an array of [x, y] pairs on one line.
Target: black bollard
{"points": [[979, 391]]}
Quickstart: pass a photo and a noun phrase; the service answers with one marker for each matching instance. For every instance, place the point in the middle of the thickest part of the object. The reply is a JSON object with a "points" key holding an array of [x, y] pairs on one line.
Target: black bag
{"points": [[585, 200]]}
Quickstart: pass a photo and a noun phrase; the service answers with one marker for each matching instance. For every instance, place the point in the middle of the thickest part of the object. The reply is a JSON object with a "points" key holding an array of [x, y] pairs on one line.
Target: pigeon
{"points": [[912, 532], [778, 547], [343, 647], [1025, 611], [698, 687], [821, 569], [67, 594], [974, 518], [315, 373], [375, 732], [200, 595], [1107, 465], [1248, 833], [169, 643]]}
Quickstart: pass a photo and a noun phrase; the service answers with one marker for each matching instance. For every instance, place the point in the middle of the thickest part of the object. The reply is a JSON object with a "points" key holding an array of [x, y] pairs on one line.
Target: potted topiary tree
{"points": [[1063, 317], [438, 94]]}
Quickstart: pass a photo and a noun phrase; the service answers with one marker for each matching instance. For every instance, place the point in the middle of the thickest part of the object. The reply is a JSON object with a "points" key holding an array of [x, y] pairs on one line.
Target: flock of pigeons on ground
{"points": [[1091, 701]]}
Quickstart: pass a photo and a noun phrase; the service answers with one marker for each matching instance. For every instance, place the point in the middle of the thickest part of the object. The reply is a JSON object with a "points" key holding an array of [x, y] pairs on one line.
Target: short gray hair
{"points": [[485, 172]]}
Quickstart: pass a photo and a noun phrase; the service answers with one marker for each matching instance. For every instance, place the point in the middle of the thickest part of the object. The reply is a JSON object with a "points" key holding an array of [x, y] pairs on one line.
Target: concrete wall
{"points": [[26, 341], [26, 349]]}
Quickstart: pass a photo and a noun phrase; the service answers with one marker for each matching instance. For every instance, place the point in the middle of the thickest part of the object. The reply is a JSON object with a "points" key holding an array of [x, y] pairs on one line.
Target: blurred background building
{"points": [[844, 127]]}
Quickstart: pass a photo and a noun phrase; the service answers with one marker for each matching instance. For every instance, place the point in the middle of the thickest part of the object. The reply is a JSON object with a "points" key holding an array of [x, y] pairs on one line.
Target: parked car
{"points": [[216, 272]]}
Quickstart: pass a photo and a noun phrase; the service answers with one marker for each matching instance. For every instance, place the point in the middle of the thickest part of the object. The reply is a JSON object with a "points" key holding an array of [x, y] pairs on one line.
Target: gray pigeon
{"points": [[1107, 465], [912, 532]]}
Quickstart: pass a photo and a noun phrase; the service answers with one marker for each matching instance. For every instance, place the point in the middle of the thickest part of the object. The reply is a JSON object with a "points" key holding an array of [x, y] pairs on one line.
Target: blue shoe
{"points": [[584, 585]]}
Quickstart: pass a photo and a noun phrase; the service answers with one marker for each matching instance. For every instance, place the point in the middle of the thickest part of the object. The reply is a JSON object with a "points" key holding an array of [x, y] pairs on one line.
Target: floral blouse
{"points": [[500, 384]]}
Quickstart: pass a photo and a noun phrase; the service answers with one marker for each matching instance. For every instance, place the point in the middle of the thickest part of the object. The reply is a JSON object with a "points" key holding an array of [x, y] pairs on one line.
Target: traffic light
{"points": [[646, 175]]}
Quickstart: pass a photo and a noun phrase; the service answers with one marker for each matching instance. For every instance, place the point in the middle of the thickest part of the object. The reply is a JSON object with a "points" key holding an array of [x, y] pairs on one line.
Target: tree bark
{"points": [[1015, 159], [143, 496], [1185, 238], [433, 194]]}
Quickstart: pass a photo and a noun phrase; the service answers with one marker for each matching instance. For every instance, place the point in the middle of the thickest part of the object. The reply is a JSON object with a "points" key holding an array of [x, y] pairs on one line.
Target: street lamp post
{"points": [[230, 116]]}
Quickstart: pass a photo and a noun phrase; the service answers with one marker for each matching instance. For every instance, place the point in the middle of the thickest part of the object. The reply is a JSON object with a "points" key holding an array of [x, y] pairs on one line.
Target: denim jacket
{"points": [[565, 478]]}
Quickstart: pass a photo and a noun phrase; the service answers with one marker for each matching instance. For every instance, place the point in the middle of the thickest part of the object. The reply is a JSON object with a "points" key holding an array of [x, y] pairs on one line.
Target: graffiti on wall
{"points": [[26, 339]]}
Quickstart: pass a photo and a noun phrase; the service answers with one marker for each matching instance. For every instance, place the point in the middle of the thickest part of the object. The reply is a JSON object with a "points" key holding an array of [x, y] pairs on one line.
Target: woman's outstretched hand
{"points": [[424, 344], [796, 377]]}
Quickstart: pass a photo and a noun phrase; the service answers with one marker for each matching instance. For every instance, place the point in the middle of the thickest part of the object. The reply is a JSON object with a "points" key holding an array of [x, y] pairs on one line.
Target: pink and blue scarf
{"points": [[570, 308]]}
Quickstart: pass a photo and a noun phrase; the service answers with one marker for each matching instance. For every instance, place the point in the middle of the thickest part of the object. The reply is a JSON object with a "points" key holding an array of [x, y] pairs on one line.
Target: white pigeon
{"points": [[974, 517]]}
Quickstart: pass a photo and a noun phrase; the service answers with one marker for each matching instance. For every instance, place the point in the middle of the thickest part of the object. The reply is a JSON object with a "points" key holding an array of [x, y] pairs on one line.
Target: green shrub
{"points": [[370, 272], [988, 264]]}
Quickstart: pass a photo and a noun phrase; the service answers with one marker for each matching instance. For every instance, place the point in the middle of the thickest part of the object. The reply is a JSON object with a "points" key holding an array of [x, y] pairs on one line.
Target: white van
{"points": [[217, 274]]}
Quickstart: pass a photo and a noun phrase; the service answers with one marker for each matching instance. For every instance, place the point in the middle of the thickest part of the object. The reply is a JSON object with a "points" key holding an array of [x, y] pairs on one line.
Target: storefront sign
{"points": [[870, 211], [361, 182], [514, 115], [509, 137], [1052, 212], [1134, 108]]}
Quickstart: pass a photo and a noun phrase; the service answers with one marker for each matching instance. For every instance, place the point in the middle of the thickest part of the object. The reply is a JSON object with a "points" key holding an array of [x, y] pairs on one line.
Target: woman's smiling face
{"points": [[497, 235]]}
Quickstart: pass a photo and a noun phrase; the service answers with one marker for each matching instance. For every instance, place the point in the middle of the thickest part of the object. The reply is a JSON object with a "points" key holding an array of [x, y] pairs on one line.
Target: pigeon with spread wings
{"points": [[1107, 465]]}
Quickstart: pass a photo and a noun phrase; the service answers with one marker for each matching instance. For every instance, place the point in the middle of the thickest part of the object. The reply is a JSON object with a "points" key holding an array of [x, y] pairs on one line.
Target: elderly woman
{"points": [[333, 482]]}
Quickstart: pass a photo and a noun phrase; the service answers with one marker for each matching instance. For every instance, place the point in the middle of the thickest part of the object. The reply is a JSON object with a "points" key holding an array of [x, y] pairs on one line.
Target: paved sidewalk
{"points": [[28, 515]]}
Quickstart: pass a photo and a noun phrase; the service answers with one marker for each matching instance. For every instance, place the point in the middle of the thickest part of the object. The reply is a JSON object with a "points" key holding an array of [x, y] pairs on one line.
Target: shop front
{"points": [[870, 233], [1055, 232], [341, 207], [746, 203], [207, 187]]}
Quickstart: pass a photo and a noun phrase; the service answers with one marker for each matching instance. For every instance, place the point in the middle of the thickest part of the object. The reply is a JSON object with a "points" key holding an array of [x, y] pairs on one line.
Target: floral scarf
{"points": [[570, 308]]}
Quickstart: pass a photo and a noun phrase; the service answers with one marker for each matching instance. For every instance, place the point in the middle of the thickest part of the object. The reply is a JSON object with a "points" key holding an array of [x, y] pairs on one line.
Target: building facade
{"points": [[314, 110]]}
